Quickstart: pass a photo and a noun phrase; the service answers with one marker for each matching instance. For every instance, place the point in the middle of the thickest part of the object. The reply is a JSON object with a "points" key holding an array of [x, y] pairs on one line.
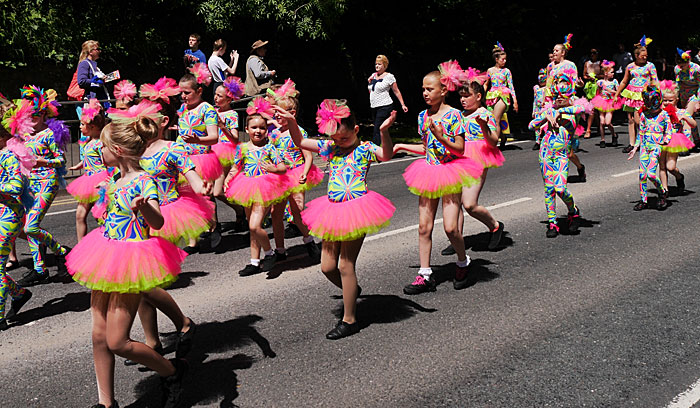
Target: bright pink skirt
{"points": [[110, 265], [85, 188], [207, 166], [484, 152], [347, 220], [605, 104], [679, 143], [314, 178], [226, 152], [435, 181], [265, 190], [186, 218]]}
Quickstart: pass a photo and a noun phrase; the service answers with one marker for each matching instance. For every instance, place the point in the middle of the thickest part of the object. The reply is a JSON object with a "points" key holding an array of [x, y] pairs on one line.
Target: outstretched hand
{"points": [[388, 121]]}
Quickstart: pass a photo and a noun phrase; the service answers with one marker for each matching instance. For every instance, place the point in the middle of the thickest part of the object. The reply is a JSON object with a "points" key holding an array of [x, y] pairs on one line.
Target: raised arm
{"points": [[294, 131], [386, 152]]}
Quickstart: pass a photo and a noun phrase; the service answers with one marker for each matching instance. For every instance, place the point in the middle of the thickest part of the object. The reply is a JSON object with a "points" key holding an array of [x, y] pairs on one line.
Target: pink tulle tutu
{"points": [[632, 97], [207, 166], [484, 152], [111, 265], [226, 152], [265, 190], [435, 181], [679, 143], [185, 218], [587, 106], [347, 220], [605, 105], [85, 188], [580, 130], [314, 178]]}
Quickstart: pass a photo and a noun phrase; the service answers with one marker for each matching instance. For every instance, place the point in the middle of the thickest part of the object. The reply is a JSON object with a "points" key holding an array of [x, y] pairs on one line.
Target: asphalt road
{"points": [[607, 317]]}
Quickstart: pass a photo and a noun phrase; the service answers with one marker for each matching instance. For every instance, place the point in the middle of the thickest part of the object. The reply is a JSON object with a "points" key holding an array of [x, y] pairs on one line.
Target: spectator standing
{"points": [[258, 76], [622, 59], [380, 83], [89, 77], [193, 54], [218, 68]]}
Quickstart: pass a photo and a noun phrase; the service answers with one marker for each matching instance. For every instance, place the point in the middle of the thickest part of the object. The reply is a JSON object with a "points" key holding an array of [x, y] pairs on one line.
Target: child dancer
{"points": [[558, 120], [120, 261], [85, 188], [15, 164], [687, 76], [303, 174], [558, 65], [256, 181], [638, 75], [655, 131], [500, 89], [125, 94], [681, 139], [605, 103], [442, 175], [46, 143], [538, 101], [350, 211]]}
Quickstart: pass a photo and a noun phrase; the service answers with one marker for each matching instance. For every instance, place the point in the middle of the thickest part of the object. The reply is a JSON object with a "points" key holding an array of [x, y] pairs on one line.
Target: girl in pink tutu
{"points": [[604, 101], [198, 124], [638, 75], [443, 174], [681, 139], [256, 181], [303, 174], [121, 260], [85, 189], [500, 89], [349, 211]]}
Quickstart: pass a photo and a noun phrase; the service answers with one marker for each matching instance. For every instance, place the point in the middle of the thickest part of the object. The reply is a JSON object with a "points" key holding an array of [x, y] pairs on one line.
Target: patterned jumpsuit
{"points": [[43, 183], [653, 132]]}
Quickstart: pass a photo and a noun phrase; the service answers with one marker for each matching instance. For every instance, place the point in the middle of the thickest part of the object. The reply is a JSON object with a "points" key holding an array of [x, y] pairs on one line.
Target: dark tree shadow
{"points": [[674, 191], [229, 243], [563, 223], [71, 302], [297, 258], [209, 380], [186, 279], [510, 147], [381, 309], [480, 242]]}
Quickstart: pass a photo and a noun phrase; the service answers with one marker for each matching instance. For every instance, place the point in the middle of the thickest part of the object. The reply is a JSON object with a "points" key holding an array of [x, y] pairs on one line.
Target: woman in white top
{"points": [[380, 82], [218, 68]]}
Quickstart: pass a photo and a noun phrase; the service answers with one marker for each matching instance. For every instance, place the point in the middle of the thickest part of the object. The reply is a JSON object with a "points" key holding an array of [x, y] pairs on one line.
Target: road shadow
{"points": [[229, 242], [575, 179], [382, 309], [563, 223], [297, 258], [478, 272], [71, 302], [186, 279], [209, 381], [480, 242], [510, 147]]}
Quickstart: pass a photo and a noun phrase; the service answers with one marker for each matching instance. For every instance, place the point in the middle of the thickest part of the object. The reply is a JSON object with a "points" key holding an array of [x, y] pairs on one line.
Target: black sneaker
{"points": [[158, 350], [313, 250], [61, 270], [496, 236], [614, 140], [281, 256], [183, 344], [680, 183], [172, 386], [552, 230], [114, 405], [661, 203], [291, 231], [420, 285], [627, 149], [215, 238], [462, 278], [269, 262], [249, 270], [582, 173], [343, 329], [536, 146], [450, 250], [602, 144], [18, 303], [32, 278], [574, 220], [641, 205], [4, 325]]}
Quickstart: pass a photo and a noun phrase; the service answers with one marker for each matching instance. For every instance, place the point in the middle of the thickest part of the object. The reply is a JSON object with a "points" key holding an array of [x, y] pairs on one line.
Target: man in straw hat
{"points": [[258, 76]]}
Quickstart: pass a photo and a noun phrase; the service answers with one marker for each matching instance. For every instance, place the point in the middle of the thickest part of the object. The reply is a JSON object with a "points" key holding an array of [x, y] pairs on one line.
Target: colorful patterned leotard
{"points": [[230, 119], [435, 152], [120, 223], [538, 99], [92, 158], [473, 128], [607, 88], [348, 171], [195, 122], [688, 81], [44, 146], [292, 155], [501, 86], [553, 71], [249, 161], [165, 166], [641, 76]]}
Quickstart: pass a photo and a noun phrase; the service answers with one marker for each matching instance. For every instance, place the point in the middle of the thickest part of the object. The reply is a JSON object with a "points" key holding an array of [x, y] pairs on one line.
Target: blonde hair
{"points": [[436, 75], [383, 59], [288, 103], [131, 138], [88, 46], [673, 92]]}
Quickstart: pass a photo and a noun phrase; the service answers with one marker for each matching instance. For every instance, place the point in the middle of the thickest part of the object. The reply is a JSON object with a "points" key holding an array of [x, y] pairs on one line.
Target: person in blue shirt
{"points": [[193, 54]]}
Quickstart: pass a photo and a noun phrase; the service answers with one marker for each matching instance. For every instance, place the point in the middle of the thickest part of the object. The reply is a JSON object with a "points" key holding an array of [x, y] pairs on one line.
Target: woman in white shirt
{"points": [[380, 82], [218, 68]]}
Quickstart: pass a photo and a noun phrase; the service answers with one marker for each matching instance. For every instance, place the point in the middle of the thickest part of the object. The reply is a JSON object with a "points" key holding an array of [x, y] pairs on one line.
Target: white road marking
{"points": [[636, 171], [688, 398], [439, 220], [60, 212]]}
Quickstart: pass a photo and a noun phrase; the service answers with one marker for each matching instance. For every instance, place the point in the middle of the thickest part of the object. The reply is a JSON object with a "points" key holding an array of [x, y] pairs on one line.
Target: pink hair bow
{"points": [[125, 90], [329, 115], [260, 106], [452, 75], [163, 89], [144, 109], [288, 90], [201, 73], [92, 110]]}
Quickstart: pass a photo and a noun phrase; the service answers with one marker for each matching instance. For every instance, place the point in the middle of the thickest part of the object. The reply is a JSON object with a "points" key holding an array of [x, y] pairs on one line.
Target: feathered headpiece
{"points": [[567, 41], [329, 115], [645, 41], [26, 156], [672, 113], [18, 119], [43, 101], [452, 75], [498, 46], [201, 73], [93, 109], [125, 90], [607, 64], [144, 109], [163, 89], [473, 74], [287, 90], [667, 85], [235, 88], [61, 133], [685, 55], [652, 98], [261, 106]]}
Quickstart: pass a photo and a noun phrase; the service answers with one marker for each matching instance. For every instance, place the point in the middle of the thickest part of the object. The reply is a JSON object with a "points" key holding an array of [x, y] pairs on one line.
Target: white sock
{"points": [[270, 252], [255, 262], [308, 239], [425, 272], [464, 263]]}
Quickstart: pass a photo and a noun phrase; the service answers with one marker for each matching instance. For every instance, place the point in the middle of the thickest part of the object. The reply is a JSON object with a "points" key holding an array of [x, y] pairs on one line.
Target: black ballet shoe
{"points": [[343, 329]]}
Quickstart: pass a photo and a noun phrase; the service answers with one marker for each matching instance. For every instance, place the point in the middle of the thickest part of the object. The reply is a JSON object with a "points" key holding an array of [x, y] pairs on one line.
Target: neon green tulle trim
{"points": [[259, 201], [635, 96], [357, 234], [446, 190], [192, 231], [303, 187], [674, 149], [142, 285], [226, 162], [88, 200]]}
